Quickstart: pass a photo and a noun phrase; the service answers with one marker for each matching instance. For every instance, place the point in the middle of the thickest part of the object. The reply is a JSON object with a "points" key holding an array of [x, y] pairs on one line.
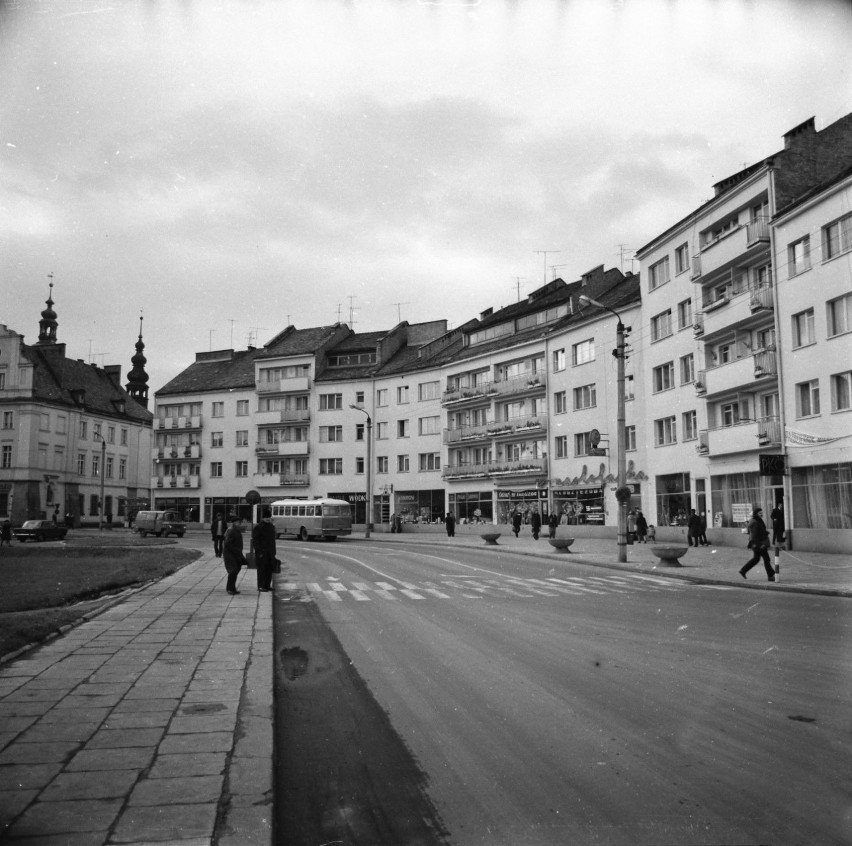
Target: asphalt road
{"points": [[477, 697]]}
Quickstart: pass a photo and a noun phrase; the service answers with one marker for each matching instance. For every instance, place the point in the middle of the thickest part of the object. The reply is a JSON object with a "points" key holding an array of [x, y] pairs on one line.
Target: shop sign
{"points": [[533, 493], [772, 465], [349, 497], [741, 512]]}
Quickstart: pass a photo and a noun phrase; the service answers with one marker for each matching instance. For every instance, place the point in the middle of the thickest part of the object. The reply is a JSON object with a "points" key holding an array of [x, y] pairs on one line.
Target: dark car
{"points": [[40, 530]]}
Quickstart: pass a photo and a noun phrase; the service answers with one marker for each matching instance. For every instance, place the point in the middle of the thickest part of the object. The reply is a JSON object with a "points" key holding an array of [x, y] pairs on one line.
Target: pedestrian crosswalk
{"points": [[334, 589]]}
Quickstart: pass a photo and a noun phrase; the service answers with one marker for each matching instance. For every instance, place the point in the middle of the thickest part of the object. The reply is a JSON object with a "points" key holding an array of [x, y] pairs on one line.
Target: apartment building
{"points": [[714, 372], [70, 430]]}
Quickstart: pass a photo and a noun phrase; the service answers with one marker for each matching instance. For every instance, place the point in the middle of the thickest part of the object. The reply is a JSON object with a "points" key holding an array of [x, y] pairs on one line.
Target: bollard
{"points": [[777, 563]]}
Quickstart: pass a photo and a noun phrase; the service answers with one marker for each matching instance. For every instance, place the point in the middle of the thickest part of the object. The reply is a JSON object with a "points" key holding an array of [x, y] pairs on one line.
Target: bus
{"points": [[311, 518]]}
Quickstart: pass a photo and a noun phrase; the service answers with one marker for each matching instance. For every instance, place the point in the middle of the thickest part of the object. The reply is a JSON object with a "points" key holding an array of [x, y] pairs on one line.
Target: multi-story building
{"points": [[714, 372], [69, 430]]}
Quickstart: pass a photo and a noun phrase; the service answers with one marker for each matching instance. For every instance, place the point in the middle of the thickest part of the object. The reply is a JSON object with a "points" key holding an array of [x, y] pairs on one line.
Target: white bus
{"points": [[311, 518]]}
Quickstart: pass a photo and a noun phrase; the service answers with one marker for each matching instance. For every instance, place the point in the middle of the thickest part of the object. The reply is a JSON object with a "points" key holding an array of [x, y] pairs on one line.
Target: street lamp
{"points": [[369, 465], [621, 494], [103, 462]]}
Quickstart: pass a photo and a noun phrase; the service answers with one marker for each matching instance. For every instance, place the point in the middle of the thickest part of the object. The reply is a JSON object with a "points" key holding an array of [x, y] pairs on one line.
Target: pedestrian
{"points": [[631, 526], [451, 524], [535, 524], [553, 522], [263, 543], [56, 515], [778, 525], [652, 533], [232, 553], [693, 528], [702, 531], [516, 522], [758, 543], [641, 527], [6, 533], [218, 527]]}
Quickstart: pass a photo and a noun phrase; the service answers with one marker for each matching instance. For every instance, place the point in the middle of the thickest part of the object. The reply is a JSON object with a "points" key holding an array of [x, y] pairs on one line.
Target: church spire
{"points": [[137, 379], [48, 322]]}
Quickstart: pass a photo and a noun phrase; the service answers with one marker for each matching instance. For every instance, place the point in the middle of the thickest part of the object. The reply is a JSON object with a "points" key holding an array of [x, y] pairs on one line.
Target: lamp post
{"points": [[369, 466], [622, 493], [103, 463]]}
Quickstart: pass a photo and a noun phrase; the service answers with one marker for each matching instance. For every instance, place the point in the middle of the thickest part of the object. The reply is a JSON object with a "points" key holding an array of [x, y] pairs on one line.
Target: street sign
{"points": [[252, 497]]}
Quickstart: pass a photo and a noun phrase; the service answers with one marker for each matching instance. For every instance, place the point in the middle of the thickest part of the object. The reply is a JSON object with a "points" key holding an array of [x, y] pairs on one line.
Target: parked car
{"points": [[40, 530], [159, 523]]}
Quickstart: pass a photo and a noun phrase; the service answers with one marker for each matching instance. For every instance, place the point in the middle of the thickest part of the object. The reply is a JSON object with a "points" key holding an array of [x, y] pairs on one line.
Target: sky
{"points": [[225, 169]]}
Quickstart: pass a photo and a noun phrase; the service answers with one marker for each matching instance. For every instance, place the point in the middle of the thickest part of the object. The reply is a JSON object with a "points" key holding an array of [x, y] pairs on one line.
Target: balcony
{"points": [[172, 423], [525, 468], [533, 383], [702, 447], [176, 453], [698, 324], [729, 250], [280, 480], [175, 482], [729, 377], [525, 425], [769, 431], [287, 415], [757, 231], [476, 394], [762, 298], [283, 448], [765, 364], [188, 481], [467, 434], [745, 436], [294, 385], [695, 273]]}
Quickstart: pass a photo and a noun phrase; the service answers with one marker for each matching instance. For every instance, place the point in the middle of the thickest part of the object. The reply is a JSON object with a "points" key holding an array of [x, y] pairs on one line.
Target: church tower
{"points": [[48, 322], [137, 379]]}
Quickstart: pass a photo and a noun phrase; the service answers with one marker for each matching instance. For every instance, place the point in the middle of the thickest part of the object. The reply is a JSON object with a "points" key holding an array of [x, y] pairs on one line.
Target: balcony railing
{"points": [[193, 422], [533, 382], [762, 298], [524, 425], [283, 448], [524, 467], [702, 447], [176, 453], [701, 383], [765, 364], [280, 480], [465, 434], [695, 274], [769, 431], [286, 415], [295, 384], [757, 230], [698, 324], [471, 393]]}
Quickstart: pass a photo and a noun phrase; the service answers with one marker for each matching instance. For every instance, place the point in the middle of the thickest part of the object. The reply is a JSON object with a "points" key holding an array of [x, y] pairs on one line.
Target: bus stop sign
{"points": [[252, 497]]}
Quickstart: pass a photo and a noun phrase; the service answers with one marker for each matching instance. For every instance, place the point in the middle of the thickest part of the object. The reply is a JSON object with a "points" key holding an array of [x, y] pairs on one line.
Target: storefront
{"points": [[579, 506], [674, 499], [358, 504], [419, 506], [189, 507], [472, 507], [223, 505], [822, 496], [523, 501]]}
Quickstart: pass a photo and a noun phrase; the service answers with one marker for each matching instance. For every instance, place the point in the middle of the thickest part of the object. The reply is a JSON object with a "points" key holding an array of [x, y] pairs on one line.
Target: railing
{"points": [[762, 298], [701, 383], [524, 467], [461, 434], [487, 390], [193, 422], [768, 430], [757, 230], [703, 446], [294, 384], [765, 364], [483, 391], [696, 267], [286, 415], [281, 480], [698, 324]]}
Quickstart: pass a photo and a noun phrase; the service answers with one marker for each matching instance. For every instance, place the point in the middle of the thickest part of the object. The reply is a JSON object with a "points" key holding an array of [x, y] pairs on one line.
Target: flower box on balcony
{"points": [[716, 303]]}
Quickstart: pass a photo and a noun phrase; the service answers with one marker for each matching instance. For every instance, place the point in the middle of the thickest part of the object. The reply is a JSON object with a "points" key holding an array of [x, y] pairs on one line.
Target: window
{"points": [[722, 354], [331, 466], [2, 381], [839, 315], [837, 237], [799, 256], [44, 422], [558, 360], [124, 437], [689, 421], [665, 431], [661, 325], [81, 463], [659, 273], [402, 428], [9, 421], [687, 369], [562, 446], [429, 425], [684, 314], [560, 402], [428, 390], [381, 431], [96, 465], [803, 328], [585, 397], [841, 391], [329, 402], [6, 459], [329, 434], [218, 409], [629, 392], [242, 408], [93, 505], [630, 438], [402, 464], [583, 352], [359, 397], [807, 398], [110, 434], [430, 461], [241, 469], [730, 413], [108, 467], [402, 395], [382, 396], [663, 377], [122, 468], [582, 443], [242, 437], [359, 465], [217, 439], [360, 428], [381, 464], [215, 469], [682, 258]]}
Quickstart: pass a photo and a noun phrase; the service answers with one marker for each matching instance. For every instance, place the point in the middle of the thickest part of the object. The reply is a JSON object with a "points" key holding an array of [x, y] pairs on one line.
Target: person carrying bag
{"points": [[232, 554]]}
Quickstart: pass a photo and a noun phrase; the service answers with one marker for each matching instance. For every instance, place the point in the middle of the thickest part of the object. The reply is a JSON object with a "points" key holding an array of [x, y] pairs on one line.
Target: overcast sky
{"points": [[232, 167]]}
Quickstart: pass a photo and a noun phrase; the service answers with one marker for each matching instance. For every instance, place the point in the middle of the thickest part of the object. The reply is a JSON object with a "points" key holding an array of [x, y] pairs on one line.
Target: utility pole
{"points": [[545, 253]]}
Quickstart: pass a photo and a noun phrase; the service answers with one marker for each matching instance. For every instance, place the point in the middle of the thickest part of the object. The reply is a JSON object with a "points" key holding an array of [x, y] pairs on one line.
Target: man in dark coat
{"points": [[218, 527], [535, 524], [693, 528], [758, 542], [232, 553], [451, 525], [516, 522], [263, 543], [641, 527], [553, 522], [778, 525]]}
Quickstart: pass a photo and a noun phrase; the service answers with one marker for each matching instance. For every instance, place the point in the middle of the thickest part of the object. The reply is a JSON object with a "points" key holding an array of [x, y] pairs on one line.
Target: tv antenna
{"points": [[252, 335], [518, 280], [399, 311], [546, 253], [623, 250], [553, 270], [210, 339]]}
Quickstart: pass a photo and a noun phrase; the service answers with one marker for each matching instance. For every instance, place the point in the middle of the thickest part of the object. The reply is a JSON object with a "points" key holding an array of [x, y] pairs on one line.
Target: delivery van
{"points": [[159, 523]]}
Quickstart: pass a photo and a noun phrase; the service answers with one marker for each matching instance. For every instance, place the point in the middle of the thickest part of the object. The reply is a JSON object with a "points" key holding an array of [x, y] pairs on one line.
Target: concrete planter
{"points": [[561, 544], [669, 555], [490, 538]]}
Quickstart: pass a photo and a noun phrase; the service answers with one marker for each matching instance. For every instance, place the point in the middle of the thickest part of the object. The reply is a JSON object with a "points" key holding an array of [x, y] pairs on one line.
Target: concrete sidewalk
{"points": [[153, 721]]}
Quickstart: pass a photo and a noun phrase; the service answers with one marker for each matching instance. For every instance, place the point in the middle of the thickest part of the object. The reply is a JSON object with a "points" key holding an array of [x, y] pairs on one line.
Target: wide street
{"points": [[472, 695]]}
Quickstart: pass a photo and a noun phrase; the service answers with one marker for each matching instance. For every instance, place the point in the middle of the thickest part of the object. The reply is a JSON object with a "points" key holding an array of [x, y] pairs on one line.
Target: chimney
{"points": [[113, 371], [806, 128]]}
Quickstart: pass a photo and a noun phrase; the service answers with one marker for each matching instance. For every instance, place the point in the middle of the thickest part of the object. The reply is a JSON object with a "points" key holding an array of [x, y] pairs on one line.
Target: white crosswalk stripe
{"points": [[336, 590]]}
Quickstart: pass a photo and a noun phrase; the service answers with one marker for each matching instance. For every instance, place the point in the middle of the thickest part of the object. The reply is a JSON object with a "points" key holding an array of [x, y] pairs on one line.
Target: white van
{"points": [[159, 523]]}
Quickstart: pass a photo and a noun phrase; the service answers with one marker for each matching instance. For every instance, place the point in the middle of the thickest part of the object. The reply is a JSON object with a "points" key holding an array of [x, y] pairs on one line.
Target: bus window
{"points": [[318, 510], [301, 510]]}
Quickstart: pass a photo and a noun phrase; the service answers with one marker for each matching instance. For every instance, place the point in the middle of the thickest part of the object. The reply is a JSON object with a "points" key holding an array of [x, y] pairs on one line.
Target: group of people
{"points": [[638, 528], [696, 529], [228, 545]]}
